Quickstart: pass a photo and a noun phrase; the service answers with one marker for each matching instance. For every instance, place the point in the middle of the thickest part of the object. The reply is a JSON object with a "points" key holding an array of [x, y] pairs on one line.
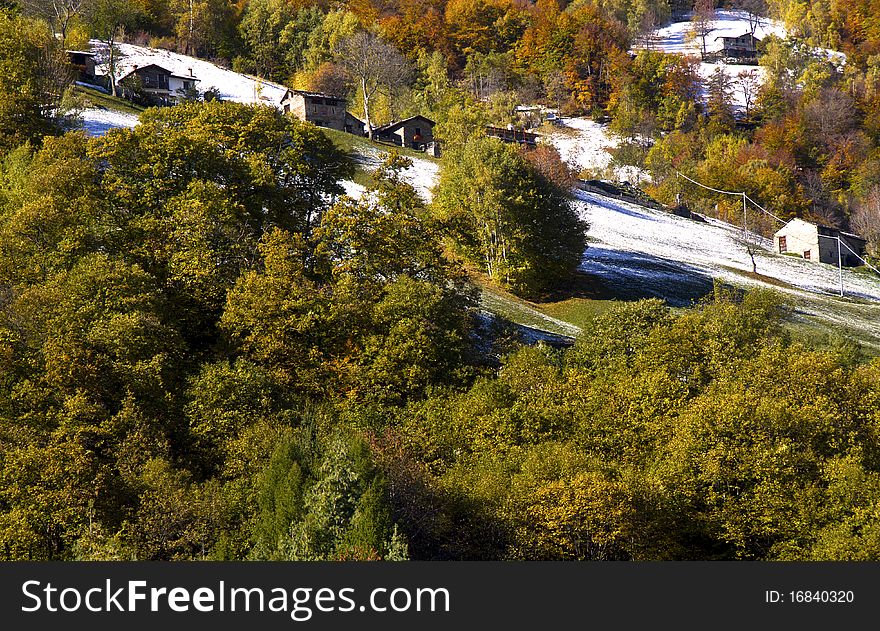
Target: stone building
{"points": [[416, 132], [322, 110], [819, 243]]}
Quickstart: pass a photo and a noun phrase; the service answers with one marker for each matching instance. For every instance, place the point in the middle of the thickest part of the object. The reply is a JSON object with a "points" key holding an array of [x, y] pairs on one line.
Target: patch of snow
{"points": [[422, 175], [353, 189], [92, 86], [98, 121], [676, 38], [231, 86], [632, 243], [584, 145]]}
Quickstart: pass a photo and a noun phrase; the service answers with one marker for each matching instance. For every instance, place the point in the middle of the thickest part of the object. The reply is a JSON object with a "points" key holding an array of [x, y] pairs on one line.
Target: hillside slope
{"points": [[638, 252], [231, 86]]}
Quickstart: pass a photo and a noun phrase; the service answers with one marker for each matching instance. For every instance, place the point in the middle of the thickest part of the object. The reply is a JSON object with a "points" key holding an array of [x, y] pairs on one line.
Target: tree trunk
{"points": [[189, 44], [111, 66], [367, 109]]}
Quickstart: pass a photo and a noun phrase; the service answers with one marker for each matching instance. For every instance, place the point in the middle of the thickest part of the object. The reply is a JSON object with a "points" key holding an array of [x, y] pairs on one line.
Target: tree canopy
{"points": [[507, 217]]}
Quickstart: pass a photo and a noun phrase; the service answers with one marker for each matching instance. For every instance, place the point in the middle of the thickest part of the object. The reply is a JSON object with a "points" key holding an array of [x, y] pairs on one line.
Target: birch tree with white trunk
{"points": [[375, 65]]}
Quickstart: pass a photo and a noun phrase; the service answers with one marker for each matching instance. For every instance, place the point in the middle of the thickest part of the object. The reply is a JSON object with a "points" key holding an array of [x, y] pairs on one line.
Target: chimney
{"points": [[190, 72]]}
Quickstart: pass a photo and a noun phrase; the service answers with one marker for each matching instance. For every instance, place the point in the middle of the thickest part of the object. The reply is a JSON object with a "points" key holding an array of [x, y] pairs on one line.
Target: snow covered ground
{"points": [[231, 86], [654, 247], [97, 121], [422, 175], [584, 144], [640, 252], [676, 38]]}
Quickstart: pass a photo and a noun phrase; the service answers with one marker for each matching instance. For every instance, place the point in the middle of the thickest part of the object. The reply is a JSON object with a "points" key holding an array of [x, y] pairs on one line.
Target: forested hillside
{"points": [[209, 351]]}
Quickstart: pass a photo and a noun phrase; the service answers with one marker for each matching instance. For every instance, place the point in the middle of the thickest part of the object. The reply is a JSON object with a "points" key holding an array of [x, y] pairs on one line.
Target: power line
{"points": [[742, 194], [745, 198], [764, 210], [708, 188]]}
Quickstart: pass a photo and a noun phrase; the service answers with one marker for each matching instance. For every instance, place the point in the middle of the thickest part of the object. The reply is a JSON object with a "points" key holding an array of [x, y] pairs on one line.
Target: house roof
{"points": [[819, 226], [850, 235], [137, 69], [315, 95], [737, 37], [391, 127]]}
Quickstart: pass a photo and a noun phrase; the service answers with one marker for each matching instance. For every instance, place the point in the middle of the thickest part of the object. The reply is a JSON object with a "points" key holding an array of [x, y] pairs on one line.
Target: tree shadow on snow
{"points": [[620, 275]]}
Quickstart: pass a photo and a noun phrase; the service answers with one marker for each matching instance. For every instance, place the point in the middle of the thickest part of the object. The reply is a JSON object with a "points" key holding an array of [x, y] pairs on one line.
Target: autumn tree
{"points": [[719, 89], [375, 65], [866, 220], [33, 81], [58, 13], [204, 26], [261, 27], [748, 83], [754, 9], [702, 21], [107, 19]]}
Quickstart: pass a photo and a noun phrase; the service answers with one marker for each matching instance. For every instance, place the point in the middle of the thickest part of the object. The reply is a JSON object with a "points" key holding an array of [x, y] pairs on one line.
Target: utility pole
{"points": [[840, 265], [745, 227]]}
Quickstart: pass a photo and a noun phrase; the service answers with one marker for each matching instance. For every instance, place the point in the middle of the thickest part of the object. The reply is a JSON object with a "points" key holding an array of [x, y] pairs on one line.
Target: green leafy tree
{"points": [[32, 80], [507, 218]]}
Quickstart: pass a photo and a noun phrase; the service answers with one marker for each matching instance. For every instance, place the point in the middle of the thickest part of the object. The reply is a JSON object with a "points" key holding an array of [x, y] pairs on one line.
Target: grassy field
{"points": [[816, 319], [365, 153], [567, 313], [96, 98]]}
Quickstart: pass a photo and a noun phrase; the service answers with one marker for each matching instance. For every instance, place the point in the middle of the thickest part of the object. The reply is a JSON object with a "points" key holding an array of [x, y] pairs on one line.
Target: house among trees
{"points": [[416, 132], [322, 110], [742, 48], [84, 63], [819, 243], [160, 83], [513, 135]]}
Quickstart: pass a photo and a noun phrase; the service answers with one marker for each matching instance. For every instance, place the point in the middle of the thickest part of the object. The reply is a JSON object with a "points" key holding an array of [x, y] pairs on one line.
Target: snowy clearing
{"points": [[422, 175], [584, 145], [640, 252], [231, 86], [676, 38], [651, 246], [98, 121]]}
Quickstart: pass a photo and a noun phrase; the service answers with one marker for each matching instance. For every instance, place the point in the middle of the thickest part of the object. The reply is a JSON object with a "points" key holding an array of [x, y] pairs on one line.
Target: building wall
{"points": [[426, 133], [176, 86], [316, 110], [296, 105], [849, 258], [153, 80], [354, 125], [821, 243], [405, 135], [800, 237], [828, 249]]}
